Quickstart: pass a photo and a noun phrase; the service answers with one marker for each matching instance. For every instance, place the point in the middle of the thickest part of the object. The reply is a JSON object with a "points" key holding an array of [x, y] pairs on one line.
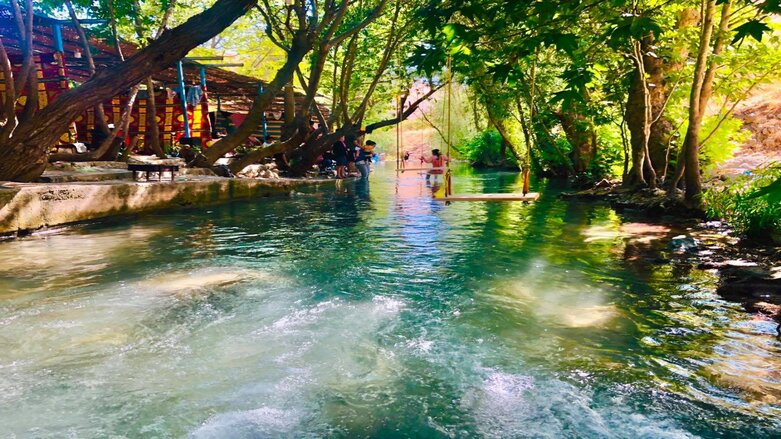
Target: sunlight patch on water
{"points": [[560, 297], [747, 363], [50, 263], [641, 233], [261, 422], [185, 282]]}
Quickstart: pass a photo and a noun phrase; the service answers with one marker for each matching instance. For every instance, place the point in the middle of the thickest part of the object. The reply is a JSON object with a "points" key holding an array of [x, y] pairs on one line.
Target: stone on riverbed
{"points": [[683, 244]]}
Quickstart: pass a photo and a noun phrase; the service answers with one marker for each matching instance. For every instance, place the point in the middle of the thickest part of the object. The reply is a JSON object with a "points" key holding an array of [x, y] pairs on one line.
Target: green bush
{"points": [[609, 160], [483, 150], [751, 203]]}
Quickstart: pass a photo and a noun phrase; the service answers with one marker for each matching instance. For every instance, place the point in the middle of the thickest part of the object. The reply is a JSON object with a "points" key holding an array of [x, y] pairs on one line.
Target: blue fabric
{"points": [[194, 95]]}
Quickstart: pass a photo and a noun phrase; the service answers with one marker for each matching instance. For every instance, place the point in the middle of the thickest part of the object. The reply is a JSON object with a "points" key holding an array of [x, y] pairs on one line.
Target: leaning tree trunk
{"points": [[301, 46], [307, 155], [23, 156], [108, 142], [100, 113]]}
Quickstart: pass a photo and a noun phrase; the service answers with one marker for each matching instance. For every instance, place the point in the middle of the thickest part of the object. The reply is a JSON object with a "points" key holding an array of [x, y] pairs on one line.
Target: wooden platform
{"points": [[511, 196], [419, 169]]}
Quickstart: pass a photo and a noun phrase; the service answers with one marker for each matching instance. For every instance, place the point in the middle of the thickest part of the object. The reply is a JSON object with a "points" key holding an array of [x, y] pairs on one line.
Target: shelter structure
{"points": [[193, 99]]}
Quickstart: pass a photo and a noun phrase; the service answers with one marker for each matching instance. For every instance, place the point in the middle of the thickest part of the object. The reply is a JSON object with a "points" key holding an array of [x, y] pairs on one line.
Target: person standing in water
{"points": [[340, 156], [364, 158], [438, 162]]}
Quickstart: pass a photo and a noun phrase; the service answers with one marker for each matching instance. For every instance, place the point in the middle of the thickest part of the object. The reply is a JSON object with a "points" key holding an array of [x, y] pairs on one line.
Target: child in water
{"points": [[438, 162]]}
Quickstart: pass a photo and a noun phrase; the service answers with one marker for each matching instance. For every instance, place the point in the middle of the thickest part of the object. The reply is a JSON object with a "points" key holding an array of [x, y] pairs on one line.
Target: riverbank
{"points": [[749, 272], [27, 207], [655, 203]]}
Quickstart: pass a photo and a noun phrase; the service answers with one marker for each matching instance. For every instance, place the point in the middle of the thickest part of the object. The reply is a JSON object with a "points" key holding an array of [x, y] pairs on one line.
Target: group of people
{"points": [[345, 155]]}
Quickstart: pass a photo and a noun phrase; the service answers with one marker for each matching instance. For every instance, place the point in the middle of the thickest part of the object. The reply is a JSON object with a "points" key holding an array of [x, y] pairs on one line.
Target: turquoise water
{"points": [[377, 312]]}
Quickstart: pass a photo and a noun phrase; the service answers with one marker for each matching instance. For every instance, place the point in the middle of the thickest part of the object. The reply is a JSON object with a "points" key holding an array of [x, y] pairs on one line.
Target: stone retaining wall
{"points": [[29, 207]]}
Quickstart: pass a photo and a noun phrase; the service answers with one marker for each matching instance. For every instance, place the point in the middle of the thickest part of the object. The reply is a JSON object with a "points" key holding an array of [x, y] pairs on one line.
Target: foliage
{"points": [[724, 141], [751, 203], [609, 160], [484, 149], [534, 72]]}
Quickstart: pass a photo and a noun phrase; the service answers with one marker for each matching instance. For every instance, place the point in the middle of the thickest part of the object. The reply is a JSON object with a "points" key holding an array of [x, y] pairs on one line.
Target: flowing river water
{"points": [[377, 312]]}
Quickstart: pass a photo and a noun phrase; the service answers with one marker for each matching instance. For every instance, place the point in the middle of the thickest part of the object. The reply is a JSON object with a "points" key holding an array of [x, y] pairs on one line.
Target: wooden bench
{"points": [[150, 168]]}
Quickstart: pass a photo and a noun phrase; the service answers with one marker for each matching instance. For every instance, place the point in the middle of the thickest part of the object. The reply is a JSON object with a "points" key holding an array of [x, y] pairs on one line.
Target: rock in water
{"points": [[683, 244]]}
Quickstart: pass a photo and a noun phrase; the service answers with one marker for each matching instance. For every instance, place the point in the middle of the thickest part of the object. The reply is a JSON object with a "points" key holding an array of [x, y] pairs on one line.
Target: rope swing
{"points": [[449, 98], [448, 193]]}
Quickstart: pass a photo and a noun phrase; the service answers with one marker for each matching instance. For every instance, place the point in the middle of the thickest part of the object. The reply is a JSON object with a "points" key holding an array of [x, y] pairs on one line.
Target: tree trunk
{"points": [[500, 126], [648, 129], [259, 154], [260, 104], [306, 156], [151, 119], [580, 134], [23, 156], [529, 157], [109, 142], [691, 143], [290, 111], [100, 113]]}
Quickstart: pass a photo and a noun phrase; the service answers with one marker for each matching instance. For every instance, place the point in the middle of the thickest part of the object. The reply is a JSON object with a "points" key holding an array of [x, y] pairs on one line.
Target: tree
{"points": [[714, 37], [25, 140], [321, 26]]}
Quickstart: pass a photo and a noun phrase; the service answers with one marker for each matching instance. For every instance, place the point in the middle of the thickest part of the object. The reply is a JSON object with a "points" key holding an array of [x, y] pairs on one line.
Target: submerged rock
{"points": [[683, 244]]}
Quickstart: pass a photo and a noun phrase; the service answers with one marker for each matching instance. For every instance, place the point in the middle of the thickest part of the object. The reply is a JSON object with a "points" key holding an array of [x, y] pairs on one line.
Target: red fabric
{"points": [[52, 81], [169, 120], [237, 118]]}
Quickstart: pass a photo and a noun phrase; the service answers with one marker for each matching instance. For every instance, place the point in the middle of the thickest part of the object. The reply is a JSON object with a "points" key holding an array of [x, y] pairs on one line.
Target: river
{"points": [[377, 312]]}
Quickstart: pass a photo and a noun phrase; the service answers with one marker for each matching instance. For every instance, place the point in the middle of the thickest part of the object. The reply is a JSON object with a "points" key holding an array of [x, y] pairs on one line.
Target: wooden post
{"points": [[399, 160], [182, 98], [265, 122]]}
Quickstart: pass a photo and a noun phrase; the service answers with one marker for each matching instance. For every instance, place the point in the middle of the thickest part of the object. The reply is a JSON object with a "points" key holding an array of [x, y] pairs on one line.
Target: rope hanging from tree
{"points": [[449, 98]]}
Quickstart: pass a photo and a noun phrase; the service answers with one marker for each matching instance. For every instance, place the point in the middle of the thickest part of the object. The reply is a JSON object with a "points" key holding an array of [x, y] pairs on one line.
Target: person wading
{"points": [[340, 156], [364, 158]]}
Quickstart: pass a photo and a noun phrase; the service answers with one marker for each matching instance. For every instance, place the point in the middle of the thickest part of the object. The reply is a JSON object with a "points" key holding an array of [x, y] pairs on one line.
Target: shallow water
{"points": [[376, 312]]}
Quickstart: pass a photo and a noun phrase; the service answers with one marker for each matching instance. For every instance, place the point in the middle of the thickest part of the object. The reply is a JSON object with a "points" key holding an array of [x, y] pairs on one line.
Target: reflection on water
{"points": [[375, 311]]}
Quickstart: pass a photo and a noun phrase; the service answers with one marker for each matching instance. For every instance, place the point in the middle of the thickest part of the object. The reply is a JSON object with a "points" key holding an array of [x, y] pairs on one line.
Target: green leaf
{"points": [[771, 6], [752, 28], [452, 31], [566, 42], [500, 72], [773, 192]]}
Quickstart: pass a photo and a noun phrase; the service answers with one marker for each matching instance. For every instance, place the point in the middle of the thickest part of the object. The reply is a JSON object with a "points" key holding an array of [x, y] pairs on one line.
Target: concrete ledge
{"points": [[32, 206], [101, 174]]}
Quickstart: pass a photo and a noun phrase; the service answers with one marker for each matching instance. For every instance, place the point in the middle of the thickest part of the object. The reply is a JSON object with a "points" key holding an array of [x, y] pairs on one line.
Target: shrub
{"points": [[484, 149], [609, 160], [751, 203]]}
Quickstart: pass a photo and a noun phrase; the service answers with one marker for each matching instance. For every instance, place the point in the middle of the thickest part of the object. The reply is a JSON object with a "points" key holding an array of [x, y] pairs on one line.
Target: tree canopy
{"points": [[644, 90]]}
